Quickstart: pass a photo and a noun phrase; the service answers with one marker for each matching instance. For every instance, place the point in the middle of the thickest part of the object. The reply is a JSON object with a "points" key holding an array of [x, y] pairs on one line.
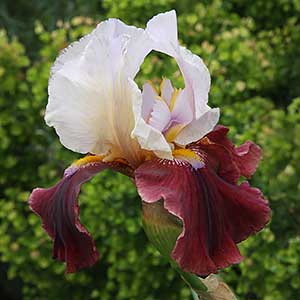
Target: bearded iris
{"points": [[167, 140]]}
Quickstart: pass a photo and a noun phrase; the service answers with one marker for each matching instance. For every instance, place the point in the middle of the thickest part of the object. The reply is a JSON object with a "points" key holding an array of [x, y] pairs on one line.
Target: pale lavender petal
{"points": [[149, 95], [182, 113], [198, 128], [167, 90], [160, 116], [196, 79], [163, 31], [147, 136]]}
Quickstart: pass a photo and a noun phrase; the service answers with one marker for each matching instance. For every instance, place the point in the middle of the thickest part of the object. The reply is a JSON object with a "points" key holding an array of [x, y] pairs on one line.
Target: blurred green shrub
{"points": [[255, 71]]}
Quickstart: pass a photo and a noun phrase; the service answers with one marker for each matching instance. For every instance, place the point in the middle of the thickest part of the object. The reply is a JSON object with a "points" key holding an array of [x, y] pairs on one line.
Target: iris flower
{"points": [[167, 140]]}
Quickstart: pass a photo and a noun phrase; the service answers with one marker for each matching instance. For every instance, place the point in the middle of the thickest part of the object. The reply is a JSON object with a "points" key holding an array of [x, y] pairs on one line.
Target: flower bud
{"points": [[163, 229]]}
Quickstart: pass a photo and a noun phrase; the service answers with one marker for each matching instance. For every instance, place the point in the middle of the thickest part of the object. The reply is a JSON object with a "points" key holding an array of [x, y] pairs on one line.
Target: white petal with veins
{"points": [[160, 116], [69, 54], [149, 138], [90, 100], [163, 31], [95, 106], [198, 128], [196, 78]]}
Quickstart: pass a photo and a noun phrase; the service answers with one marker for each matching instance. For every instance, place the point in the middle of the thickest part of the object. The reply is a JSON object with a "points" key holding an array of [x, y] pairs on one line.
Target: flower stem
{"points": [[193, 281], [195, 296]]}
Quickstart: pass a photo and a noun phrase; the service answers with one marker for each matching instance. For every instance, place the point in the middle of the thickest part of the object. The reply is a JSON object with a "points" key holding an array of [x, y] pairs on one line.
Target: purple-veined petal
{"points": [[148, 137], [58, 208], [219, 159], [160, 116]]}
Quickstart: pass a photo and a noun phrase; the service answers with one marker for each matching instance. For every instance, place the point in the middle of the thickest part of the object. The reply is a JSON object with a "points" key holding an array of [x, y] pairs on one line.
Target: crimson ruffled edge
{"points": [[216, 211]]}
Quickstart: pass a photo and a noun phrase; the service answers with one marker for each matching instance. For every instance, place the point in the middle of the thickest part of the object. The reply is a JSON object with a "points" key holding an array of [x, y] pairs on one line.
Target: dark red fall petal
{"points": [[246, 157], [220, 159], [245, 207], [215, 214], [58, 208]]}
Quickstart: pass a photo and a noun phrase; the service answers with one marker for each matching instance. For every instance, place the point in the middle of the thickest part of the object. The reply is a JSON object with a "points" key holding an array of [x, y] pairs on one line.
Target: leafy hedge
{"points": [[255, 69]]}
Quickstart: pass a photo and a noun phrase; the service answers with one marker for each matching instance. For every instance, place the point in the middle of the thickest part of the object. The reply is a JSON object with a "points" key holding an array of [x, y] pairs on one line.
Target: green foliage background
{"points": [[252, 51]]}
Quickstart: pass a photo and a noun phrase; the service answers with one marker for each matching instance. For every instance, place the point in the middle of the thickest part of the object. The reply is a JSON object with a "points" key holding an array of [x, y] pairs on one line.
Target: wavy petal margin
{"points": [[91, 97], [231, 162], [216, 212], [58, 208]]}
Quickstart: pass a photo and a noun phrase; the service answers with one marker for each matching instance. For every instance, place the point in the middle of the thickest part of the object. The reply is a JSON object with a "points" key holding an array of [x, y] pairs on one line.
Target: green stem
{"points": [[195, 296], [193, 281]]}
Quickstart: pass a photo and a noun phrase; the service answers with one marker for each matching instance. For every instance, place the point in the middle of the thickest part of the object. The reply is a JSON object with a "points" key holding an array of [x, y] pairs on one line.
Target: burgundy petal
{"points": [[248, 156], [246, 209], [58, 208], [215, 214], [245, 157], [220, 159]]}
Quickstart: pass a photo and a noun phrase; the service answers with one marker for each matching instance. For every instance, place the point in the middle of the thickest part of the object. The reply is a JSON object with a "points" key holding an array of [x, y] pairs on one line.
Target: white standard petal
{"points": [[73, 109], [198, 128], [196, 77], [163, 31], [72, 53], [90, 98], [138, 46]]}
